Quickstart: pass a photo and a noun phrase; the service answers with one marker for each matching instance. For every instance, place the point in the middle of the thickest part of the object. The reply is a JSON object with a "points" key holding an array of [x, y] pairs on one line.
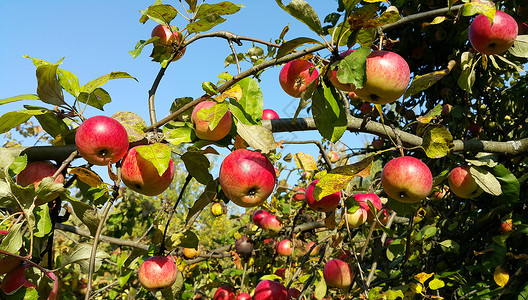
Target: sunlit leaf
{"points": [[87, 176], [486, 180], [160, 13], [213, 114], [158, 154], [339, 178], [234, 92], [472, 8], [305, 161], [501, 276], [94, 84], [519, 47], [436, 284], [352, 69], [257, 137], [134, 124], [205, 23], [437, 141], [248, 109], [19, 98], [303, 12], [80, 254], [328, 113], [289, 46], [12, 119], [423, 82], [422, 277]]}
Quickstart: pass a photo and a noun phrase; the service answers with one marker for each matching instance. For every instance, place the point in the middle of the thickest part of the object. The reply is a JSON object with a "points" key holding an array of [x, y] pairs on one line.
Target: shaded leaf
{"points": [[187, 239], [510, 185], [12, 242], [423, 82], [98, 98], [80, 254], [12, 119], [49, 89], [352, 69], [519, 47], [328, 113], [178, 103], [198, 166], [486, 180], [208, 195], [289, 46], [86, 213], [52, 124], [430, 115], [178, 132], [48, 189], [209, 88]]}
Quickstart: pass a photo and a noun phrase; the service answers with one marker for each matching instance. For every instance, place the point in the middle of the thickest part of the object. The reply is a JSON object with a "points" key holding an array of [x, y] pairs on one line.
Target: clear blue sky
{"points": [[95, 37]]}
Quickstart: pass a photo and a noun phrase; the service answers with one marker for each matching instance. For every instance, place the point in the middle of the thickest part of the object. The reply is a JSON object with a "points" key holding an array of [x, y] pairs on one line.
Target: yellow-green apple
{"points": [[493, 39], [315, 250], [407, 179], [243, 296], [285, 248], [167, 36], [35, 172], [140, 174], [191, 253], [326, 204], [506, 226], [16, 279], [157, 273], [202, 125], [271, 223], [268, 114], [258, 215], [299, 194], [267, 290], [224, 292], [217, 209], [295, 76], [244, 246], [332, 75], [388, 76], [8, 263], [101, 140], [357, 218], [247, 177], [462, 183], [337, 273]]}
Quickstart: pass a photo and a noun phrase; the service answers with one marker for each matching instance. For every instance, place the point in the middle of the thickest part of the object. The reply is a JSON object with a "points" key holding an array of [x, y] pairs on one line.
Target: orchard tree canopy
{"points": [[218, 198]]}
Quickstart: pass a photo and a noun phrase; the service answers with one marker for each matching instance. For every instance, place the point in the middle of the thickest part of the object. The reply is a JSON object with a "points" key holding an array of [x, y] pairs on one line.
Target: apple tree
{"points": [[207, 203]]}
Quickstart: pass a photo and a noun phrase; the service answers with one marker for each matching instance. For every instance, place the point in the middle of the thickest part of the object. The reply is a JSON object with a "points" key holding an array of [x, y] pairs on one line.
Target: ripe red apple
{"points": [[407, 179], [344, 255], [270, 290], [294, 293], [191, 253], [244, 246], [363, 200], [157, 273], [101, 140], [168, 36], [258, 215], [201, 127], [224, 292], [281, 272], [271, 223], [315, 250], [357, 218], [299, 194], [337, 273], [35, 172], [388, 76], [462, 183], [243, 296], [506, 226], [268, 114], [7, 263], [140, 175], [493, 39], [16, 279], [365, 108], [326, 204], [332, 75], [247, 177], [285, 248], [295, 76], [334, 157]]}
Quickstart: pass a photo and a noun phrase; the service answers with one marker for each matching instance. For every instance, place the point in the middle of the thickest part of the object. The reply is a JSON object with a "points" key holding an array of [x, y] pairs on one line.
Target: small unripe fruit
{"points": [[191, 253]]}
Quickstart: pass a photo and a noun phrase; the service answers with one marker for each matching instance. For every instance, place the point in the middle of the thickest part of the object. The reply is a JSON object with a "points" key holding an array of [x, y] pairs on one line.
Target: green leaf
{"points": [[179, 103], [510, 185], [141, 45], [352, 69], [366, 36], [158, 154], [94, 84], [213, 114], [339, 178], [437, 141], [436, 284], [134, 124], [86, 213], [43, 219], [401, 208], [472, 8], [423, 82], [49, 89], [198, 166], [222, 8], [208, 195], [486, 180], [52, 124], [205, 23], [320, 289], [188, 239], [209, 88], [18, 164], [19, 98], [449, 246], [160, 13], [69, 82], [124, 277], [425, 233], [519, 47], [303, 12], [395, 249], [430, 115], [39, 62], [192, 5], [178, 132], [12, 119], [328, 113], [249, 108], [484, 159], [13, 241], [98, 98], [467, 76], [289, 46], [257, 137], [48, 190], [80, 254]]}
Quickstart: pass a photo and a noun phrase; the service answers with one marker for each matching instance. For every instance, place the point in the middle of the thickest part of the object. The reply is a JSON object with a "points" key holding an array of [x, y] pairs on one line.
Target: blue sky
{"points": [[95, 37]]}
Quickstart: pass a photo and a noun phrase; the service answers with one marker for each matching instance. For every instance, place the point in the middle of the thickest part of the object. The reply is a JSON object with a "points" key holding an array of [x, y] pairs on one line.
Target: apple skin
{"points": [[337, 273], [294, 293], [315, 250], [357, 218], [462, 183], [157, 273], [332, 75], [365, 108], [269, 114], [8, 263], [258, 215], [334, 157], [493, 39], [247, 177], [506, 226], [167, 37], [243, 296], [271, 223], [191, 253], [285, 248], [244, 246], [224, 292], [440, 194], [388, 76], [201, 127], [326, 204], [16, 279], [35, 172], [270, 290], [140, 175], [101, 140], [300, 194], [372, 198], [281, 272], [296, 75], [407, 179]]}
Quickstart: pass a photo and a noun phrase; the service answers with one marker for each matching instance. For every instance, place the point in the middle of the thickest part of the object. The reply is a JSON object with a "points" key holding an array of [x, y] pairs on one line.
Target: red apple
{"points": [[247, 177], [157, 273], [8, 263], [268, 114], [441, 192], [281, 272], [332, 75], [285, 248], [168, 36], [407, 179], [337, 273], [258, 215], [140, 175], [224, 292], [270, 290], [271, 223], [243, 296], [299, 194], [244, 246], [315, 250], [295, 76], [388, 76], [363, 200], [101, 140], [506, 226], [16, 279], [493, 39], [334, 156], [294, 293], [35, 172], [462, 183], [365, 108], [202, 126], [326, 204], [344, 255]]}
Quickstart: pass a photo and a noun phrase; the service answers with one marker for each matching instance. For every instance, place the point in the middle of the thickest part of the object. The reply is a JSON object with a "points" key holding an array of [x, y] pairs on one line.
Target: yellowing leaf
{"points": [[436, 20], [340, 177], [416, 288], [500, 276], [422, 277], [437, 141], [430, 115], [305, 161], [234, 92], [87, 176], [436, 284]]}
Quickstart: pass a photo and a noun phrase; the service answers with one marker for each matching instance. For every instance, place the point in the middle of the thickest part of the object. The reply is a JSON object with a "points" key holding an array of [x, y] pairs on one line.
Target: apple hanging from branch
{"points": [[406, 179], [295, 76], [493, 39]]}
